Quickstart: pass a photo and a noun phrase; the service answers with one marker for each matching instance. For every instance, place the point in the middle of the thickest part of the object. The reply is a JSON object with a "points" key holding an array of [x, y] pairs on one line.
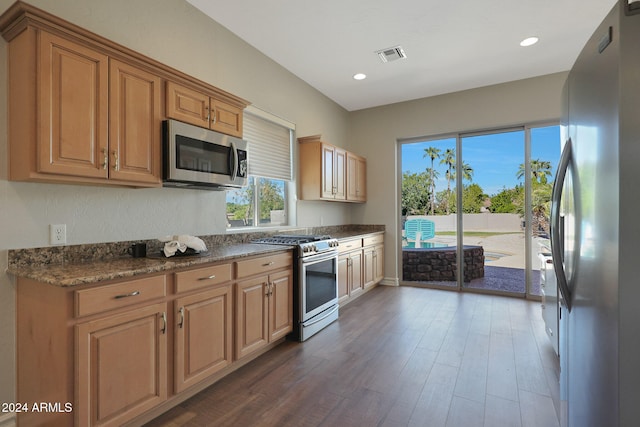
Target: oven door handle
{"points": [[320, 319], [323, 256]]}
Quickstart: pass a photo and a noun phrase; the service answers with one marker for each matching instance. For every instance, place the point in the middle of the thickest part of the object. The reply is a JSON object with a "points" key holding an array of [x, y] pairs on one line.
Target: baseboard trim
{"points": [[390, 281]]}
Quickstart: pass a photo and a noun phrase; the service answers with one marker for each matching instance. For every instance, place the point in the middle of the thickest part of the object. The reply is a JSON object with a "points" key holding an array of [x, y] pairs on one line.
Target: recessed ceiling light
{"points": [[529, 41], [359, 76]]}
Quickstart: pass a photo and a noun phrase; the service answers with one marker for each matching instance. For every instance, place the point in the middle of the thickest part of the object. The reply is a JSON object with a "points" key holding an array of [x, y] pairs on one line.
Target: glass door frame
{"points": [[528, 267]]}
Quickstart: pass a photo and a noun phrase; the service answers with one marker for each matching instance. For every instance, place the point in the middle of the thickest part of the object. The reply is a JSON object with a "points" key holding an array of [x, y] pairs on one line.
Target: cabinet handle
{"points": [[132, 294], [213, 117], [268, 291], [181, 317], [213, 276], [116, 166], [106, 158], [268, 264], [208, 113], [164, 323]]}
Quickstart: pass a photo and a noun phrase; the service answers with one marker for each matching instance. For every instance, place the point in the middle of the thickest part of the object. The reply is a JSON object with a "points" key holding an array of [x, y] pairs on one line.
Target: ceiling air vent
{"points": [[391, 54]]}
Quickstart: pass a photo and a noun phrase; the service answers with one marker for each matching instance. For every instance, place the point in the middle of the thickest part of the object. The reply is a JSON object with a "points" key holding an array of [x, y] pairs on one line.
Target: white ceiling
{"points": [[450, 45]]}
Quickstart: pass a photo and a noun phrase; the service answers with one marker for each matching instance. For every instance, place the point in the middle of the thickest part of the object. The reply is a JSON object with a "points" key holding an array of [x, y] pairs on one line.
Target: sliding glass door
{"points": [[429, 223], [493, 207], [480, 205]]}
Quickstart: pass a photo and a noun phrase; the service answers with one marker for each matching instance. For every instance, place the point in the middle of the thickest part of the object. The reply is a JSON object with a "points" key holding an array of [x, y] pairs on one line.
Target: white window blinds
{"points": [[269, 140]]}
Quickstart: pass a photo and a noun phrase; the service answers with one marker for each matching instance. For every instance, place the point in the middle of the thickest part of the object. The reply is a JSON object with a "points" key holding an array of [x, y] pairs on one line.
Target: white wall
{"points": [[374, 132], [175, 33]]}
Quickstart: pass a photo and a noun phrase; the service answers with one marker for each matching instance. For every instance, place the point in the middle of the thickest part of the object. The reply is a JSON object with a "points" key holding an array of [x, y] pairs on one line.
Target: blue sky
{"points": [[494, 158]]}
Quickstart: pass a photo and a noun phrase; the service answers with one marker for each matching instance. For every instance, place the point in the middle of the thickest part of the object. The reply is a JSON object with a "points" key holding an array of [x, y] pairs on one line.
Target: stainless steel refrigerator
{"points": [[596, 227]]}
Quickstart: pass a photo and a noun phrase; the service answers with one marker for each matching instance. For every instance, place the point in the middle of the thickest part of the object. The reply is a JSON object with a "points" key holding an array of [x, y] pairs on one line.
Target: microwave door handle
{"points": [[233, 158]]}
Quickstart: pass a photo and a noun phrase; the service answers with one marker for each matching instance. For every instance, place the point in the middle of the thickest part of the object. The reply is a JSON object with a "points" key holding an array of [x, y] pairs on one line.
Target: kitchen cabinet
{"points": [[94, 118], [356, 178], [373, 254], [85, 110], [128, 349], [360, 265], [330, 173], [204, 110], [135, 117], [264, 302], [203, 339], [350, 279], [121, 365], [72, 107]]}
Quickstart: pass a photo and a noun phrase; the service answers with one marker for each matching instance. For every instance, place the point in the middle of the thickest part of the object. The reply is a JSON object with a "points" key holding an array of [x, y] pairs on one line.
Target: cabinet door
{"points": [[203, 338], [252, 319], [121, 366], [73, 109], [369, 267], [280, 304], [187, 105], [343, 278], [379, 263], [135, 117], [226, 118], [357, 283], [340, 174], [356, 178], [328, 174]]}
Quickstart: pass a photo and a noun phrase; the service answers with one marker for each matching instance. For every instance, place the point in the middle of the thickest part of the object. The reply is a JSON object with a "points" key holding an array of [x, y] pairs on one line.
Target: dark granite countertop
{"points": [[94, 263], [80, 273]]}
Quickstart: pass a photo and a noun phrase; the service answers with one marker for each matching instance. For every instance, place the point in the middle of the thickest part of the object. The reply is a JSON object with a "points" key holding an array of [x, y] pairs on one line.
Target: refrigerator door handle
{"points": [[556, 237]]}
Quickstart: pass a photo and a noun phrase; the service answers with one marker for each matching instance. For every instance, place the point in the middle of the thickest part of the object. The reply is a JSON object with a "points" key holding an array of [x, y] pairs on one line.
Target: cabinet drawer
{"points": [[349, 245], [103, 298], [373, 240], [255, 266], [201, 277]]}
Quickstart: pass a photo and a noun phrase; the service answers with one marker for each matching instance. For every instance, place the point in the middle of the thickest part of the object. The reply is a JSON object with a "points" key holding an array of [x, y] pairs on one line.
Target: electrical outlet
{"points": [[57, 234]]}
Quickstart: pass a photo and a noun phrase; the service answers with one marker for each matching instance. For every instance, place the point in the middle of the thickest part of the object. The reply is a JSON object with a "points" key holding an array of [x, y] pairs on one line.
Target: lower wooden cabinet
{"points": [[121, 352], [121, 366], [350, 282], [360, 266], [203, 343], [264, 311]]}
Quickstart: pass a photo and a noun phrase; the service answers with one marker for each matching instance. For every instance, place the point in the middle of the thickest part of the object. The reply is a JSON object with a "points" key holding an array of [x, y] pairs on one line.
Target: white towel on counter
{"points": [[173, 244]]}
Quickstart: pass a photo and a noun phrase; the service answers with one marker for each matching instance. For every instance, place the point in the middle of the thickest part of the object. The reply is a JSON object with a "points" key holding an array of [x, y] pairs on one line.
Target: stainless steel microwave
{"points": [[194, 157]]}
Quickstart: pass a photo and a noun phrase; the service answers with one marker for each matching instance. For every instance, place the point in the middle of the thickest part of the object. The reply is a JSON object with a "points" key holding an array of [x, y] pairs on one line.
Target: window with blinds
{"points": [[266, 200], [269, 146]]}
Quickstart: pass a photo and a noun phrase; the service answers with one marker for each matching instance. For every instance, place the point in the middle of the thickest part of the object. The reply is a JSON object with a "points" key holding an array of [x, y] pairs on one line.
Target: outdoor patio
{"points": [[504, 264]]}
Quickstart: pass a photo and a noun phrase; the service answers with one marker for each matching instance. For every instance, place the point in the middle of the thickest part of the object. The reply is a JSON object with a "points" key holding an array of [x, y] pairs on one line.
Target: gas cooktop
{"points": [[307, 244]]}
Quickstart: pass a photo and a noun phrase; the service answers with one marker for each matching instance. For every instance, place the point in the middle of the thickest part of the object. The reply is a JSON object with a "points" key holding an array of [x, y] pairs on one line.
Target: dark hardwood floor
{"points": [[398, 356]]}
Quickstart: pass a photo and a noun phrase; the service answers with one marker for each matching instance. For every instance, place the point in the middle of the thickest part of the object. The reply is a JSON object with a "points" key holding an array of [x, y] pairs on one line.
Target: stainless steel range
{"points": [[316, 281]]}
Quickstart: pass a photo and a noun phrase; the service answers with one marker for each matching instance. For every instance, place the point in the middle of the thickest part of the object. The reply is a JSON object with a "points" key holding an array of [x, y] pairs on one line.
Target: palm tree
{"points": [[540, 170], [467, 171], [433, 153], [449, 159]]}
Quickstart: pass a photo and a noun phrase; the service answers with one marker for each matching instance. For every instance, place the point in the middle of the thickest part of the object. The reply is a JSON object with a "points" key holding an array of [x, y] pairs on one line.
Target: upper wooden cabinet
{"points": [[72, 105], [135, 117], [202, 109], [328, 172], [93, 118], [83, 109], [356, 178]]}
